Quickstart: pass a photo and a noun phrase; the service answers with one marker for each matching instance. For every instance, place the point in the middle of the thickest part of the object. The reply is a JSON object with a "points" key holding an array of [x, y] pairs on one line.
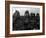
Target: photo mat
{"points": [[22, 8]]}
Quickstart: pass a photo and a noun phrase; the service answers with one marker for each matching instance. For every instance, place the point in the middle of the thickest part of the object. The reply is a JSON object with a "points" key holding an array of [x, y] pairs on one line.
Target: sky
{"points": [[23, 9]]}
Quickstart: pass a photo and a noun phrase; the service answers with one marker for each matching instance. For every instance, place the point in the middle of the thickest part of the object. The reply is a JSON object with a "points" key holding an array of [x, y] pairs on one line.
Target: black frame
{"points": [[7, 18]]}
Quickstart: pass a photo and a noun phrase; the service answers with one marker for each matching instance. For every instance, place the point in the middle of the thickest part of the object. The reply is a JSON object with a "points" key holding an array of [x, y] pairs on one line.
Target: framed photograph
{"points": [[24, 18]]}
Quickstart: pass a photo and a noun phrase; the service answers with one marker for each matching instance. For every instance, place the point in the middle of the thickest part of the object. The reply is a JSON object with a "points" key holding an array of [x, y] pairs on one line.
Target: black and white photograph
{"points": [[26, 18]]}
